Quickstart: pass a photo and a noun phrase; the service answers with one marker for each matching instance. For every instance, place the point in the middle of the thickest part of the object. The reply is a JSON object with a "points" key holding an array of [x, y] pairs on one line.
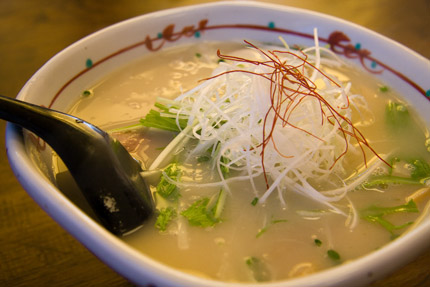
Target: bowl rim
{"points": [[89, 233]]}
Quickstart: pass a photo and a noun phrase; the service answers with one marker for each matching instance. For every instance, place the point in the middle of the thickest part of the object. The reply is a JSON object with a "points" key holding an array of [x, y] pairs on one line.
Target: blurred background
{"points": [[34, 250]]}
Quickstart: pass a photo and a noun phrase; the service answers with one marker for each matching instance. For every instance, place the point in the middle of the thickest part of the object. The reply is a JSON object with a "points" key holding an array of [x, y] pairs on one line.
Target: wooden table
{"points": [[34, 250]]}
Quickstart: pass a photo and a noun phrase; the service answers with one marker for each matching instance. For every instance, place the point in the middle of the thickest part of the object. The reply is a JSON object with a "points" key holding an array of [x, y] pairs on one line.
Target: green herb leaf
{"points": [[259, 269], [382, 211], [166, 189], [219, 204], [164, 217], [396, 115], [261, 231], [419, 173], [86, 93], [383, 88], [278, 221], [384, 180], [224, 169], [420, 169], [333, 254], [154, 119], [393, 161], [205, 212], [218, 125], [386, 224], [376, 214], [198, 215], [203, 158], [318, 242], [224, 161], [254, 201], [264, 229]]}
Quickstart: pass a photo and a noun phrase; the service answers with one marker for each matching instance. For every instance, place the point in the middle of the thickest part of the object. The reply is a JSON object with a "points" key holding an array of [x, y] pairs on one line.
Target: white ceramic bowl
{"points": [[60, 81]]}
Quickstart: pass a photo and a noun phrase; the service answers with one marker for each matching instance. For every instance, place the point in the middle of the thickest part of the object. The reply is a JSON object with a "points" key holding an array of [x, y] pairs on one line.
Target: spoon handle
{"points": [[105, 172]]}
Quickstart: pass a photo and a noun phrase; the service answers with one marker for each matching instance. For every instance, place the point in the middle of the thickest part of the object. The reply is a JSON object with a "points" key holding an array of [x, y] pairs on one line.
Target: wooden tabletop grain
{"points": [[34, 250]]}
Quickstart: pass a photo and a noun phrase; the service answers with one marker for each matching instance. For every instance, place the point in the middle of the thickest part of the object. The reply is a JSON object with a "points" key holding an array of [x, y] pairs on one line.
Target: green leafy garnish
{"points": [[264, 229], [224, 161], [203, 158], [261, 231], [254, 201], [166, 189], [164, 217], [376, 214], [260, 271], [419, 174], [219, 204], [220, 123], [211, 153], [384, 180], [383, 88], [86, 93], [333, 254], [154, 119], [318, 242], [393, 161], [198, 214], [205, 212], [386, 224], [224, 169], [396, 115], [166, 196], [420, 169], [381, 211]]}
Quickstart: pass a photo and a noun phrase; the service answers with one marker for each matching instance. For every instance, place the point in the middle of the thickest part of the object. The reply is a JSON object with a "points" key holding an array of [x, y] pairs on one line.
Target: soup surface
{"points": [[221, 222]]}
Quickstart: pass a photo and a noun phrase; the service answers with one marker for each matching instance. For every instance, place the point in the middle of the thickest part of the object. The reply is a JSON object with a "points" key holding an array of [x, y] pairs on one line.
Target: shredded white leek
{"points": [[233, 112]]}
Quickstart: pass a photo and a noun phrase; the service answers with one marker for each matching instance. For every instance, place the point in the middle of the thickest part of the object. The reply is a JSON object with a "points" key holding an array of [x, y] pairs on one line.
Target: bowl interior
{"points": [[61, 81]]}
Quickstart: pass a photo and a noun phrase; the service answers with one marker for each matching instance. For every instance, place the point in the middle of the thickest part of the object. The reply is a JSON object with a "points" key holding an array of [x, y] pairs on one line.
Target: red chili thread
{"points": [[284, 100]]}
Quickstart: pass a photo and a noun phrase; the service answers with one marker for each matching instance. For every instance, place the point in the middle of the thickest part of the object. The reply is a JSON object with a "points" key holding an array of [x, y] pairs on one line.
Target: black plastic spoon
{"points": [[108, 176]]}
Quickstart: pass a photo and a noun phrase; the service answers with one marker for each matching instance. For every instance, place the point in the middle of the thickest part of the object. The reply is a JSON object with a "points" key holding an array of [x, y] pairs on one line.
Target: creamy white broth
{"points": [[282, 238]]}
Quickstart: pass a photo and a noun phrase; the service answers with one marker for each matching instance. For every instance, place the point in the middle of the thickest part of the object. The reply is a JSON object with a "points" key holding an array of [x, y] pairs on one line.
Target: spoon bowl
{"points": [[107, 175]]}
